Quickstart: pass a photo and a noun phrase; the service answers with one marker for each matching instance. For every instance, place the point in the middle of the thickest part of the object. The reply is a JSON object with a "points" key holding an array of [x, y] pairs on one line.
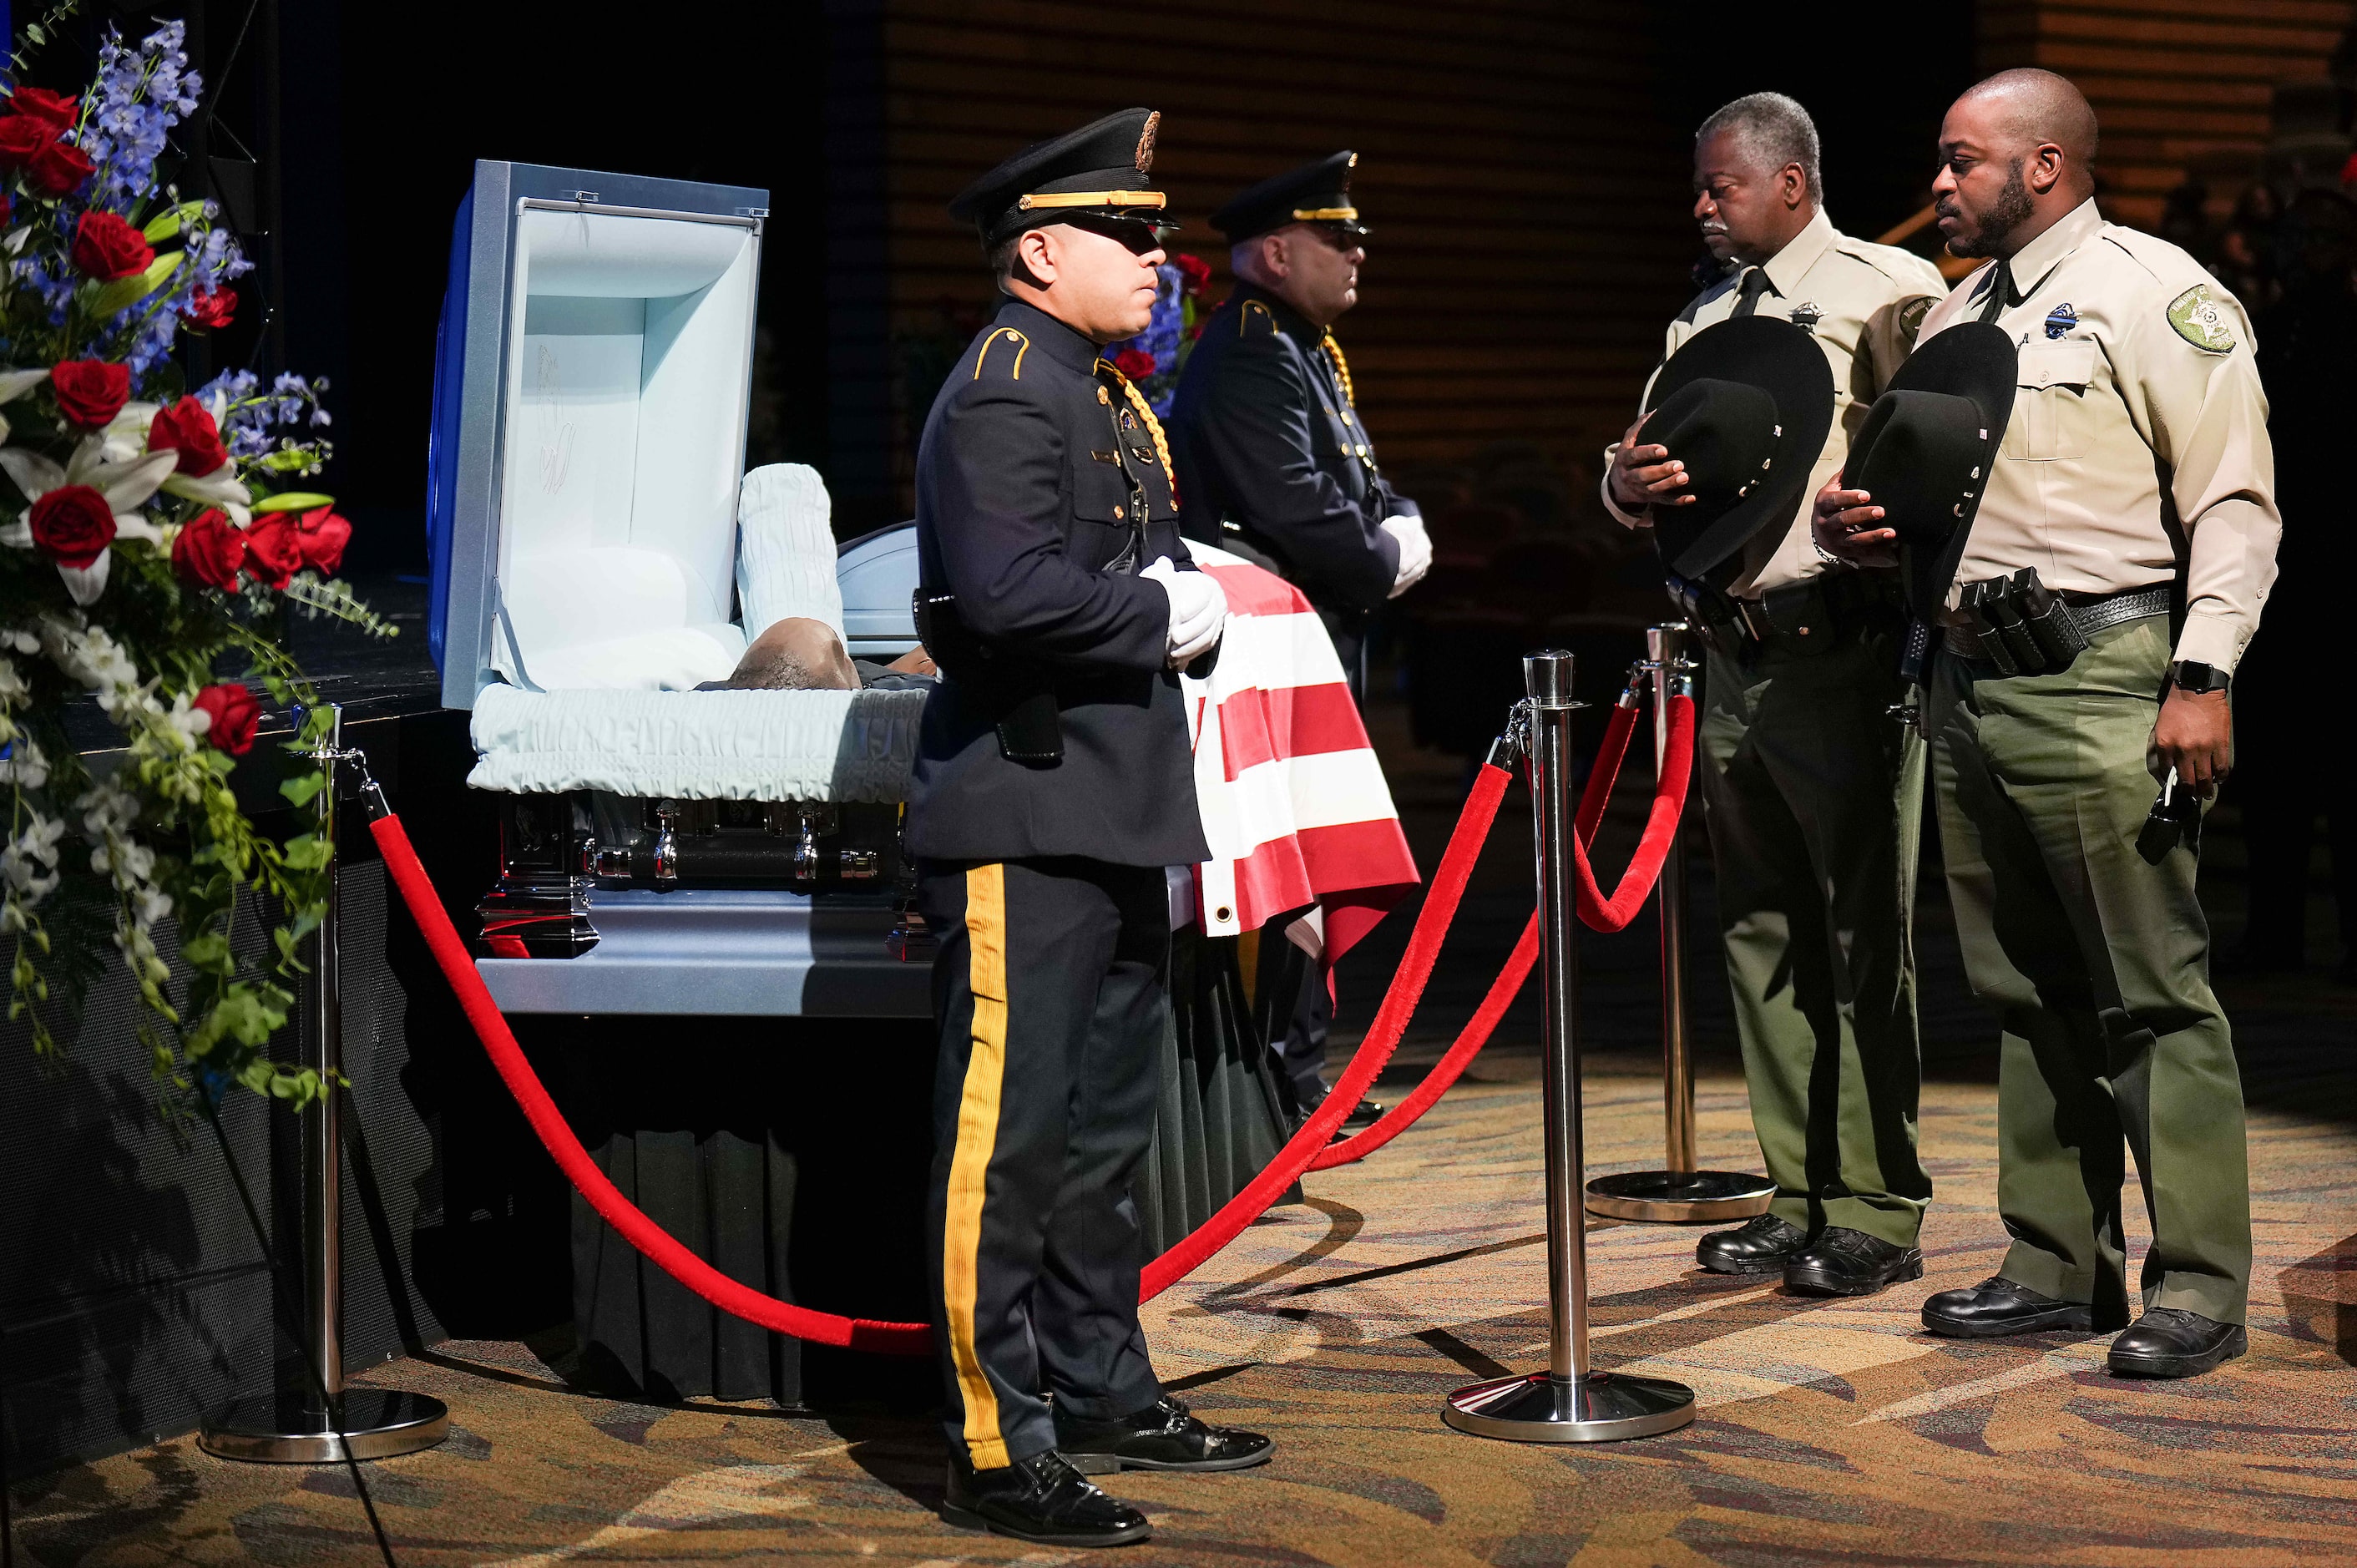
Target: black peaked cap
{"points": [[1746, 405], [1111, 159], [1317, 193], [1927, 449]]}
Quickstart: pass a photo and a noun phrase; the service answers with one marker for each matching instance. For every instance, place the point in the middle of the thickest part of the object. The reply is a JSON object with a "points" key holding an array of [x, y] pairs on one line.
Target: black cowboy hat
{"points": [[1746, 406], [1927, 448]]}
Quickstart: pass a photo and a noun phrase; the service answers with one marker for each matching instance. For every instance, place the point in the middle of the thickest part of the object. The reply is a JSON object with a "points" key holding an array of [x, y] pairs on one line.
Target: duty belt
{"points": [[2089, 613], [1800, 617]]}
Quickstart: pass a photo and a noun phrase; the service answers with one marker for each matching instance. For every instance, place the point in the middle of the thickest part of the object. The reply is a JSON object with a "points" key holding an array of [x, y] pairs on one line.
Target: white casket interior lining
{"points": [[625, 407]]}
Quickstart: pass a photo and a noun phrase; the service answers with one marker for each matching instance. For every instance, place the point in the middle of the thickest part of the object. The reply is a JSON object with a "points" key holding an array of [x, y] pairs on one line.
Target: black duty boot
{"points": [[1042, 1498], [1162, 1436], [1364, 1115], [1757, 1246], [1850, 1263], [1998, 1306], [2167, 1343]]}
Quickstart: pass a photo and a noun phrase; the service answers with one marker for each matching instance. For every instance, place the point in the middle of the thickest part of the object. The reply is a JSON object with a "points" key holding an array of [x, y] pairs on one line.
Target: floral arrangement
{"points": [[145, 580], [1152, 360]]}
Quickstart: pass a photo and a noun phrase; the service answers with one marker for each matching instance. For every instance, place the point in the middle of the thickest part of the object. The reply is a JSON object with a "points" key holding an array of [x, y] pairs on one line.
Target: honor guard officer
{"points": [[1053, 785], [1275, 463], [1811, 795], [2135, 482]]}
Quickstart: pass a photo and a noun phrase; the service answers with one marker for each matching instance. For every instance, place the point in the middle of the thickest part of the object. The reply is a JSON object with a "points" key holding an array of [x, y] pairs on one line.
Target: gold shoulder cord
{"points": [[1342, 368], [1153, 426]]}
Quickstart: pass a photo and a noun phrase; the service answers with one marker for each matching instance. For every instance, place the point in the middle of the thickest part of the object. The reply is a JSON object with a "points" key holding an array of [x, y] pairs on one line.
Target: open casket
{"points": [[597, 551]]}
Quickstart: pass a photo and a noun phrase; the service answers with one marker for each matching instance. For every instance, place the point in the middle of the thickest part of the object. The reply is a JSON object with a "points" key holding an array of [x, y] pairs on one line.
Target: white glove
{"points": [[1198, 609], [1415, 552]]}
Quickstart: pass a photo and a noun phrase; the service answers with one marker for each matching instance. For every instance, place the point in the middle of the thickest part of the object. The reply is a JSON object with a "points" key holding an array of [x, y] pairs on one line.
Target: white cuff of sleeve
{"points": [[2213, 640], [1626, 519]]}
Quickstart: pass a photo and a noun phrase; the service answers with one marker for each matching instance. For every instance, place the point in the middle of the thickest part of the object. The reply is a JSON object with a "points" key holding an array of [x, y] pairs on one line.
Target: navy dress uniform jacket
{"points": [[1027, 483], [1272, 456]]}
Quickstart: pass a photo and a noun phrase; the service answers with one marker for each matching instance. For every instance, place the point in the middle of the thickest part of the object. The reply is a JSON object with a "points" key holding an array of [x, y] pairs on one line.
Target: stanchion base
{"points": [[1602, 1407], [1680, 1198], [277, 1429]]}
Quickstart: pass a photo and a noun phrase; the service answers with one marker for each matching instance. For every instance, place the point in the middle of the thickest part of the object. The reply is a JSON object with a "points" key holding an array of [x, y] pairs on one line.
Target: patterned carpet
{"points": [[1829, 1432]]}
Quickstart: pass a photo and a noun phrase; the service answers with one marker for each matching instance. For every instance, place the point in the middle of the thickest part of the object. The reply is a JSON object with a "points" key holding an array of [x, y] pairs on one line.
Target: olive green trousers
{"points": [[2096, 961], [1814, 796]]}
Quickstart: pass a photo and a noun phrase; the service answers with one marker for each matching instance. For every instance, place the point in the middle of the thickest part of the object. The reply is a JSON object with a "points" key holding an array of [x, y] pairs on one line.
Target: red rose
{"points": [[72, 525], [1135, 363], [22, 139], [6, 207], [187, 428], [53, 109], [107, 248], [58, 169], [322, 535], [209, 551], [90, 392], [235, 714], [1194, 272], [274, 549], [213, 308]]}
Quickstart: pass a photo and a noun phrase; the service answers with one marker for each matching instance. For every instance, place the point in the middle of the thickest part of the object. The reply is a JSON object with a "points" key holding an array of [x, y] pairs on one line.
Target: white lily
{"points": [[14, 384], [125, 486], [127, 435], [222, 487]]}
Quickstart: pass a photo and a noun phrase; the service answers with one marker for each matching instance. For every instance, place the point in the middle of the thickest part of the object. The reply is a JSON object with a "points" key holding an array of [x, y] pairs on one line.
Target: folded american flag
{"points": [[1294, 802]]}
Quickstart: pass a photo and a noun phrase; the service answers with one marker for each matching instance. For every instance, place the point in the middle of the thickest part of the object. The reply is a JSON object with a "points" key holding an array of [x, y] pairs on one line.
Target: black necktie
{"points": [[2000, 292], [1755, 284]]}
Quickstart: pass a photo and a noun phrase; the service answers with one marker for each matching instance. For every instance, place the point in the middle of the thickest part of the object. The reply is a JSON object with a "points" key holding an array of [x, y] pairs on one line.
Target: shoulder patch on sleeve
{"points": [[2201, 321], [1008, 361], [1910, 317], [1255, 312]]}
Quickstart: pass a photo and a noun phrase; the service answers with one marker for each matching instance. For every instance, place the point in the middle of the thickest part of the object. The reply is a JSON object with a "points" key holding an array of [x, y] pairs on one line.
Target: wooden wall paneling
{"points": [[2177, 84]]}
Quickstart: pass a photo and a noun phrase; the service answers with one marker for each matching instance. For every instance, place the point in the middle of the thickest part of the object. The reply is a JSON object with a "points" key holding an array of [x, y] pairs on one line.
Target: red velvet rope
{"points": [[1509, 984], [1432, 923], [915, 1339], [1310, 1148], [1661, 829], [661, 1248]]}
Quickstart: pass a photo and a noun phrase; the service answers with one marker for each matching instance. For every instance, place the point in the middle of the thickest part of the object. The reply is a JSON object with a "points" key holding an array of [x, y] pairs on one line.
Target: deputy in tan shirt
{"points": [[1813, 795], [2136, 478]]}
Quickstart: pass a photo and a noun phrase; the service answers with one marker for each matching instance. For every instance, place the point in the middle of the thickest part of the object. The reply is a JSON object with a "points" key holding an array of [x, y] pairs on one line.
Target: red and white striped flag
{"points": [[1294, 802]]}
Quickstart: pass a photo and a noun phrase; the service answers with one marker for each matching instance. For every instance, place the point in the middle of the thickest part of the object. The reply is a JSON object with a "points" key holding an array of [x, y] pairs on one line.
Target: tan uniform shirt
{"points": [[2138, 421], [1866, 301]]}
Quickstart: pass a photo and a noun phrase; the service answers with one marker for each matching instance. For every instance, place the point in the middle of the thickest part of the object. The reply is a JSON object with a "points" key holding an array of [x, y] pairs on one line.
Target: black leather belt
{"points": [[2091, 613], [1807, 617]]}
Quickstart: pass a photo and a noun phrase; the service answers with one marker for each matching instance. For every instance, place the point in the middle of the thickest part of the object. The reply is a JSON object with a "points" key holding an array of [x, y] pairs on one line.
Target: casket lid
{"points": [[605, 246]]}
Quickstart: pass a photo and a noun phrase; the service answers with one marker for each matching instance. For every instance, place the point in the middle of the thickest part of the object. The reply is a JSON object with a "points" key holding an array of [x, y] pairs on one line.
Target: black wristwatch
{"points": [[2192, 675]]}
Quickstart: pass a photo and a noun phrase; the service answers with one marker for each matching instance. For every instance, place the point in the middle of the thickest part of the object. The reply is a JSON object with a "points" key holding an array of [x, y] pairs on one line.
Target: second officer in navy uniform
{"points": [[1275, 463], [1053, 784]]}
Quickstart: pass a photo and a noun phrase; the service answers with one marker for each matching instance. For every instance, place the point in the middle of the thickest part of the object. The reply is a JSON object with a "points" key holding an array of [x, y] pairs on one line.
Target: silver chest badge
{"points": [[1805, 315]]}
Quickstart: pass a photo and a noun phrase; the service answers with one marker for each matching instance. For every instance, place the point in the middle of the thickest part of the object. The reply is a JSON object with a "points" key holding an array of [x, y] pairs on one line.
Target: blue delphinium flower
{"points": [[139, 96]]}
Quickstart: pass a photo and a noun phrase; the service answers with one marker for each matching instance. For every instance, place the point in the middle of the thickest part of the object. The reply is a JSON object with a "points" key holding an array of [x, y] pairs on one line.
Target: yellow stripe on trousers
{"points": [[977, 1135]]}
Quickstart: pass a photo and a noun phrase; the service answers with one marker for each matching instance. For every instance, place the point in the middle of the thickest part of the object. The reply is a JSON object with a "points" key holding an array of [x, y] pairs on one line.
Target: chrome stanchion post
{"points": [[1681, 1194], [1570, 1401], [320, 1422]]}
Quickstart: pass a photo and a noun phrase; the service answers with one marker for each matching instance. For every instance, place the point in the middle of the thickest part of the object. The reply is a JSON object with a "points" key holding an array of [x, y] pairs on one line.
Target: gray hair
{"points": [[1770, 131]]}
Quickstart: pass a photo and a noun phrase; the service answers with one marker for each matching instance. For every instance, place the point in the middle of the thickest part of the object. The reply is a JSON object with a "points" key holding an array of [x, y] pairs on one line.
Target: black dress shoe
{"points": [[2167, 1343], [1757, 1246], [1162, 1436], [1042, 1498], [1850, 1263], [1996, 1307]]}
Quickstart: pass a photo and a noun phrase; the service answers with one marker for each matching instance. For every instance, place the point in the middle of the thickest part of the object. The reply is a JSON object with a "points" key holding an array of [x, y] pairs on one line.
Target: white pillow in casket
{"points": [[563, 604]]}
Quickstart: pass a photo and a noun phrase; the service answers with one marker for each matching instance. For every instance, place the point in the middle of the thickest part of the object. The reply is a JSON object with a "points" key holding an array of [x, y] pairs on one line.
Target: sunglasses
{"points": [[1136, 235]]}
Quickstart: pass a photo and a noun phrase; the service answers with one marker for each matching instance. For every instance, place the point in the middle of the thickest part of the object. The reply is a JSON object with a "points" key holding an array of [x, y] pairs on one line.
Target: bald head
{"points": [[2036, 106], [2016, 154]]}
